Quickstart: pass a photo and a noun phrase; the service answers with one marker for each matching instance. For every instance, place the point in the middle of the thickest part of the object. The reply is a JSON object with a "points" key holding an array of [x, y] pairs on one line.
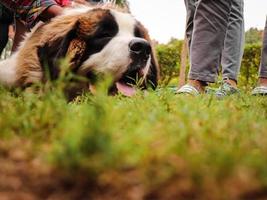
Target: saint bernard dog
{"points": [[103, 39]]}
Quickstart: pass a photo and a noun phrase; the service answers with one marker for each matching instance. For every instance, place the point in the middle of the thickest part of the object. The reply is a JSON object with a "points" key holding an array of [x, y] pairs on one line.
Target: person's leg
{"points": [[50, 12], [234, 44], [3, 36], [233, 50], [263, 66], [190, 6], [261, 89], [210, 25], [19, 34], [47, 13]]}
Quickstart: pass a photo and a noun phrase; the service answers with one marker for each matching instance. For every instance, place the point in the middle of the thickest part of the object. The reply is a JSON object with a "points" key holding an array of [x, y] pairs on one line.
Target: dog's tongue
{"points": [[125, 89]]}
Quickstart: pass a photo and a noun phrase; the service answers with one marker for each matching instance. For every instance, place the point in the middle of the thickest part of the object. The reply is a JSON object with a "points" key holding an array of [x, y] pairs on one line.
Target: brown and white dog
{"points": [[103, 39]]}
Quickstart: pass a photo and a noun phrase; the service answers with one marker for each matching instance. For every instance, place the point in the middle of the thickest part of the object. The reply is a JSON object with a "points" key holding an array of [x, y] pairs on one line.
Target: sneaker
{"points": [[225, 90], [188, 89], [260, 90]]}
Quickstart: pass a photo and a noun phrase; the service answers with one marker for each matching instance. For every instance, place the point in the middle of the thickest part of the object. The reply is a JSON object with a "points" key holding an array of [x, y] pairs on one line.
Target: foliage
{"points": [[250, 66], [214, 149], [201, 144], [121, 2], [253, 36], [169, 56]]}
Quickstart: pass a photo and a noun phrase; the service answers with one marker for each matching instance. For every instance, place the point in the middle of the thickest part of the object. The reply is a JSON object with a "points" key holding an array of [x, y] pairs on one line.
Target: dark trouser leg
{"points": [[263, 66], [3, 36], [19, 34], [210, 25], [234, 42]]}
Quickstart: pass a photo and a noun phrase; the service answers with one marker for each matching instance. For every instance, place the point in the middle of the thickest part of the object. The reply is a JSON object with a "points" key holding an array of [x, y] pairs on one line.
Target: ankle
{"points": [[199, 85], [231, 82], [263, 81]]}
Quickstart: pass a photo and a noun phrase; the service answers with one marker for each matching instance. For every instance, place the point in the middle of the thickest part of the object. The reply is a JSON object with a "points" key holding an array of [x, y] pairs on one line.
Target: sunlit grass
{"points": [[210, 143]]}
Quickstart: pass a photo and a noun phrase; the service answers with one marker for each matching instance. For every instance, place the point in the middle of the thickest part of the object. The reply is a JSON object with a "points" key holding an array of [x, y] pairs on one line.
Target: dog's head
{"points": [[103, 40]]}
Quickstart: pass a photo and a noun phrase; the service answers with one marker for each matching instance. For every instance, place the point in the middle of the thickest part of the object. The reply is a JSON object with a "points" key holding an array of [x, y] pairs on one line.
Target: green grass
{"points": [[214, 147]]}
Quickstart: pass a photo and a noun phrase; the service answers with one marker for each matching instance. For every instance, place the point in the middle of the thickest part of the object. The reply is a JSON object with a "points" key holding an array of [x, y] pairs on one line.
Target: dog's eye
{"points": [[138, 33]]}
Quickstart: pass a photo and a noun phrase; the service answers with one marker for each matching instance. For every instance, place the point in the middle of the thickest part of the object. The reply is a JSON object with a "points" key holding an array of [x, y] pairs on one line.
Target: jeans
{"points": [[215, 33]]}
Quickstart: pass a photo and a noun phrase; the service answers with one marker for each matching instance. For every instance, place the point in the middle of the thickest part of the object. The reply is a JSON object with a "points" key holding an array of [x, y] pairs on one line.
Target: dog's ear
{"points": [[153, 75], [70, 40], [87, 23], [50, 54]]}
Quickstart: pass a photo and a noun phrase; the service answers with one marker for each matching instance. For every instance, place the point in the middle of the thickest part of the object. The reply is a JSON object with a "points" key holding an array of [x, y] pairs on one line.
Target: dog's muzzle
{"points": [[139, 49], [140, 53]]}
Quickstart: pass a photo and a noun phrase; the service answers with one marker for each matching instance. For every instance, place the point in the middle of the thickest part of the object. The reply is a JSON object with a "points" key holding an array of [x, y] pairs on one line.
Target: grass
{"points": [[202, 147]]}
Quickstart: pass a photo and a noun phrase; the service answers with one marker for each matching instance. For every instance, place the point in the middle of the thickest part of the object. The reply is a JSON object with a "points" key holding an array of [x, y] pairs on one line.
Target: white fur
{"points": [[147, 67], [8, 67], [114, 57], [8, 71]]}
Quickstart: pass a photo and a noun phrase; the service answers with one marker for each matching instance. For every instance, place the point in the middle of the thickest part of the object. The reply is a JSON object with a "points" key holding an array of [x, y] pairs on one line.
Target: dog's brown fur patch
{"points": [[28, 64]]}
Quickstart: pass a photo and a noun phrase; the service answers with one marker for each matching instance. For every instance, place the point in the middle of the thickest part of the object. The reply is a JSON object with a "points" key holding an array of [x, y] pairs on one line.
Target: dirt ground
{"points": [[24, 177]]}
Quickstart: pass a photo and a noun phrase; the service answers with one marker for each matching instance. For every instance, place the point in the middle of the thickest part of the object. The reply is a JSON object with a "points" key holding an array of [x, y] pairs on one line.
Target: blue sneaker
{"points": [[225, 90]]}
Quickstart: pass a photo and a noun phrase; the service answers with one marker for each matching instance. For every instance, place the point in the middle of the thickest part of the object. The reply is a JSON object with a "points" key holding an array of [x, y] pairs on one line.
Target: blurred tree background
{"points": [[121, 2], [254, 36], [169, 58]]}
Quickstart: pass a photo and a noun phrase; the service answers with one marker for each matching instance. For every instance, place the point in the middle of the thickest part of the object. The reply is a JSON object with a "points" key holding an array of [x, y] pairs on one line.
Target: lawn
{"points": [[156, 145]]}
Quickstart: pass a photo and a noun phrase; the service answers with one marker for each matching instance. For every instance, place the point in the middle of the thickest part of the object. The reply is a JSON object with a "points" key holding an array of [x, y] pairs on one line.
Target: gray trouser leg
{"points": [[190, 13], [263, 66], [210, 25], [234, 42]]}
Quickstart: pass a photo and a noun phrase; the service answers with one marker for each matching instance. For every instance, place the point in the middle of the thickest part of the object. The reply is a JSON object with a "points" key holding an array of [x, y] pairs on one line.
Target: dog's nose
{"points": [[140, 47]]}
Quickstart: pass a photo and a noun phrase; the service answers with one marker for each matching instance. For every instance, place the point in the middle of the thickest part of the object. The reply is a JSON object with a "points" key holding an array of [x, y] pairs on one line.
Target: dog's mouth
{"points": [[129, 82], [125, 89], [126, 85], [132, 80]]}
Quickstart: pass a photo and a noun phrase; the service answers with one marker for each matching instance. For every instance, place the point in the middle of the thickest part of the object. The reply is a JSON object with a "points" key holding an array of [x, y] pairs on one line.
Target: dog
{"points": [[103, 39]]}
